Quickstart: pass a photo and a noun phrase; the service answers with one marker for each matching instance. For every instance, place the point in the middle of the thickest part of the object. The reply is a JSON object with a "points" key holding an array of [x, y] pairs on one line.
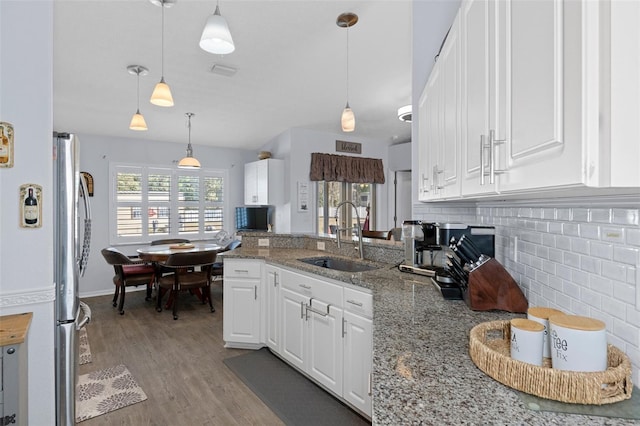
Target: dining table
{"points": [[158, 254]]}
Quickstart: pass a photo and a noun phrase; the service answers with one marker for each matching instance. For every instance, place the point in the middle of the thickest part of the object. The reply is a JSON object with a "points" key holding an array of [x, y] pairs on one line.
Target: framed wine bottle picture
{"points": [[30, 203], [6, 144]]}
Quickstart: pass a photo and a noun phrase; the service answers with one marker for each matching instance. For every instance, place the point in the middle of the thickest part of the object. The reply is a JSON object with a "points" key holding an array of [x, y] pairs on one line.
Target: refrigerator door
{"points": [[66, 372]]}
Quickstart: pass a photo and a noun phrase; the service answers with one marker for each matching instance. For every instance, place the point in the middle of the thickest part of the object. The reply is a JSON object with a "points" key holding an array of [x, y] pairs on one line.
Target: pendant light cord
{"points": [[138, 73], [348, 63], [162, 45]]}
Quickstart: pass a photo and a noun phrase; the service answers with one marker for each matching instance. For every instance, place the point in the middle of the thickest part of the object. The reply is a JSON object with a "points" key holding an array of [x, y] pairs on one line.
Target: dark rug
{"points": [[290, 395]]}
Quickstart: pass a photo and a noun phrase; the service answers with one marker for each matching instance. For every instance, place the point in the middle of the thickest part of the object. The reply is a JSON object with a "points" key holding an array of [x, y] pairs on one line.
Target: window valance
{"points": [[344, 168]]}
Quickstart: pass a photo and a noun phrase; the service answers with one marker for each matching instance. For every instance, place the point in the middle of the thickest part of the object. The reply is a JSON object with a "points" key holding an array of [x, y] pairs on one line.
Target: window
{"points": [[153, 202], [330, 194]]}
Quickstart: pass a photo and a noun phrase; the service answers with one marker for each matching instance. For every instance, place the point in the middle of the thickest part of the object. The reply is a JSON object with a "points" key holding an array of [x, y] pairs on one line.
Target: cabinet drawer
{"points": [[358, 302], [323, 291], [237, 268]]}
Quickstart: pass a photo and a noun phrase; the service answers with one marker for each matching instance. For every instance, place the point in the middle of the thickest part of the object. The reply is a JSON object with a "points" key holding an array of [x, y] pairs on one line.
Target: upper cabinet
{"points": [[263, 182], [533, 103]]}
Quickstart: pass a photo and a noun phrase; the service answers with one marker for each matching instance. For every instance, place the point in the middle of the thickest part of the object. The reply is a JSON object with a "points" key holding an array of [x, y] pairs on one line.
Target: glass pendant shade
{"points": [[189, 163], [161, 95], [137, 122], [216, 37], [348, 119]]}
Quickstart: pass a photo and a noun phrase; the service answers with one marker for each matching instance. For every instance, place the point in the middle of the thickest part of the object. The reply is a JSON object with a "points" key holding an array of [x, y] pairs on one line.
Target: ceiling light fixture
{"points": [[216, 37], [189, 162], [348, 120], [404, 113], [161, 95], [137, 121]]}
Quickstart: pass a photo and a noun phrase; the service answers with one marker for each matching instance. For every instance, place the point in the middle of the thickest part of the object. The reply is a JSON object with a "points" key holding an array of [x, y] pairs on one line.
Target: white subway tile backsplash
{"points": [[564, 214], [563, 301], [633, 316], [579, 245], [555, 227], [549, 267], [563, 243], [571, 229], [580, 278], [601, 215], [571, 289], [615, 271], [549, 214], [623, 291], [580, 308], [591, 298], [628, 255], [590, 264], [571, 259], [564, 272], [615, 235], [555, 255], [614, 307], [555, 283], [548, 240], [633, 236], [601, 285], [627, 332], [625, 217], [589, 231], [581, 215], [601, 250]]}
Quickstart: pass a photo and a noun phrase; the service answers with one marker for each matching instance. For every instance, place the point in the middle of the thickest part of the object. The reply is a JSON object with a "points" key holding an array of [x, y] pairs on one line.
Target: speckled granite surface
{"points": [[422, 372]]}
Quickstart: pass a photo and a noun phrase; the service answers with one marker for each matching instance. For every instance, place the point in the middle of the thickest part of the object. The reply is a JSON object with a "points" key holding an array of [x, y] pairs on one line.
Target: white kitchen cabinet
{"points": [[438, 124], [271, 307], [264, 182], [242, 287], [357, 331]]}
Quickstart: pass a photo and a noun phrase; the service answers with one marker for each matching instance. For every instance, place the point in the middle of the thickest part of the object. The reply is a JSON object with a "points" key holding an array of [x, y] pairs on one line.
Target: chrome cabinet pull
{"points": [[241, 271], [306, 287], [492, 163], [302, 310], [255, 292], [344, 331], [312, 309], [370, 384], [353, 302]]}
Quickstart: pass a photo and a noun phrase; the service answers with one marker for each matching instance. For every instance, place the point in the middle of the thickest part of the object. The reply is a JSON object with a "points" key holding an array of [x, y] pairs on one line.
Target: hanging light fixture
{"points": [[161, 95], [348, 119], [189, 162], [137, 121], [216, 37]]}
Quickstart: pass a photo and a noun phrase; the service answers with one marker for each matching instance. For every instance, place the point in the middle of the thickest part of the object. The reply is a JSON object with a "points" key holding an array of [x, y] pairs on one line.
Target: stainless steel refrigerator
{"points": [[72, 234]]}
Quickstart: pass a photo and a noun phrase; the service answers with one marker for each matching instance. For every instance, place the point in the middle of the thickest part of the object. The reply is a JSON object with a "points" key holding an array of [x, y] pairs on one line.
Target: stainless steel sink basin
{"points": [[338, 264]]}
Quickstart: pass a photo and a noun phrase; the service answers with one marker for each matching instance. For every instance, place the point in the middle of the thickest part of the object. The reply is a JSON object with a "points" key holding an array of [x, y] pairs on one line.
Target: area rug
{"points": [[106, 390], [290, 395], [85, 349]]}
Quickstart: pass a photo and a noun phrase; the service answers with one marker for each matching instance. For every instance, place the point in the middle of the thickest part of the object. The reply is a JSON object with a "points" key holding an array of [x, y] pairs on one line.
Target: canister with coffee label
{"points": [[578, 343]]}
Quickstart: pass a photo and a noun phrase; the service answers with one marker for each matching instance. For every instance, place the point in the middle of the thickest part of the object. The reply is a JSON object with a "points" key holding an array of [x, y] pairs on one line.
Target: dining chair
{"points": [[191, 271], [128, 272], [218, 267]]}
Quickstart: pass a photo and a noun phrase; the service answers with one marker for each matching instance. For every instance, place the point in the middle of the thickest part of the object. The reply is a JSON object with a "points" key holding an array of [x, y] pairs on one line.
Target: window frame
{"points": [[346, 191], [174, 204]]}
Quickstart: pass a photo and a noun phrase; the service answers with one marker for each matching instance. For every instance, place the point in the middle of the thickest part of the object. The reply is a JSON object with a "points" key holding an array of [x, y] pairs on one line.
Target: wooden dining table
{"points": [[161, 252]]}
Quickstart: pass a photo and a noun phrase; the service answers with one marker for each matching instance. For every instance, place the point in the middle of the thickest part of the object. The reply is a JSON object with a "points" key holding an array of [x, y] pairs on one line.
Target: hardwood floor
{"points": [[178, 364]]}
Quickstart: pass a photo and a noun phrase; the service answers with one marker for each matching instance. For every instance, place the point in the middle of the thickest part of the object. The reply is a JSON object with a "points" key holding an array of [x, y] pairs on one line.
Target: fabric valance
{"points": [[344, 168]]}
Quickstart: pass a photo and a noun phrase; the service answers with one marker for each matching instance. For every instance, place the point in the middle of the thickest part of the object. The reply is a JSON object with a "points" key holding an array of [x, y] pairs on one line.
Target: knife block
{"points": [[491, 287]]}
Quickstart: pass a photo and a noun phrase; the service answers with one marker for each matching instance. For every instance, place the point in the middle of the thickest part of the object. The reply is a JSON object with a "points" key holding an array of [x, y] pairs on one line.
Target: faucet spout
{"points": [[350, 227]]}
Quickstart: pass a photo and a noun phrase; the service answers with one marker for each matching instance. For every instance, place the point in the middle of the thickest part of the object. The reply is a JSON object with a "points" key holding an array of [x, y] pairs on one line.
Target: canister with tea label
{"points": [[578, 343], [541, 314], [527, 337]]}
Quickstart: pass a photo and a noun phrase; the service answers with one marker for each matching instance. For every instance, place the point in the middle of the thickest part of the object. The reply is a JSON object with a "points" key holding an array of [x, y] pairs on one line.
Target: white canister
{"points": [[527, 338], [578, 343], [541, 315]]}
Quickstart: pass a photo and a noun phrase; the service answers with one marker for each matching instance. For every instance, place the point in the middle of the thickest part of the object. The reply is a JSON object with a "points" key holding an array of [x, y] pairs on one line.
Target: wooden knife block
{"points": [[492, 288]]}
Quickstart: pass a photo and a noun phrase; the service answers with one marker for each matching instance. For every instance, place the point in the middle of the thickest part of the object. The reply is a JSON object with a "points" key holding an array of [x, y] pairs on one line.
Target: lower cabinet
{"points": [[271, 307], [242, 289]]}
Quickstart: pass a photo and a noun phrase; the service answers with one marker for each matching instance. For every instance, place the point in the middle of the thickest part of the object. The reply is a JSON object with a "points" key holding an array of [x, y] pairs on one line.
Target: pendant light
{"points": [[348, 119], [216, 37], [161, 95], [137, 121], [189, 162]]}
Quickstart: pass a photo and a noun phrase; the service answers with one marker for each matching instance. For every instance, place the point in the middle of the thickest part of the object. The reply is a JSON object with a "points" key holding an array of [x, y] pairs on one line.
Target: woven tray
{"points": [[489, 347]]}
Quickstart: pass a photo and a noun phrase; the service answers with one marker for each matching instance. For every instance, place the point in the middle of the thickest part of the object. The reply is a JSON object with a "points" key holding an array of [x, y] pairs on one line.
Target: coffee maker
{"points": [[432, 249]]}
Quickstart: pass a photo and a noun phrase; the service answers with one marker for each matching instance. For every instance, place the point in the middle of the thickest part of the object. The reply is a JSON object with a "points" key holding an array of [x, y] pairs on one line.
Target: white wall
{"points": [[26, 255], [97, 152], [296, 146]]}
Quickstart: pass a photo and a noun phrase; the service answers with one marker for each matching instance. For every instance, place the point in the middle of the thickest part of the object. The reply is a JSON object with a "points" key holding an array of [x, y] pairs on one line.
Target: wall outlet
{"points": [[263, 242], [320, 245]]}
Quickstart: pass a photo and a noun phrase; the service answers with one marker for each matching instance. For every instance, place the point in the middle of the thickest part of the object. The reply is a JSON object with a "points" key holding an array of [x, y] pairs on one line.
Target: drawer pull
{"points": [[241, 271], [312, 309], [307, 287], [353, 302]]}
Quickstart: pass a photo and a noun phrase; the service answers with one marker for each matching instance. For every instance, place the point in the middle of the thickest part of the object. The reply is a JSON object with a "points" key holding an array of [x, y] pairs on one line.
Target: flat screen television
{"points": [[253, 218]]}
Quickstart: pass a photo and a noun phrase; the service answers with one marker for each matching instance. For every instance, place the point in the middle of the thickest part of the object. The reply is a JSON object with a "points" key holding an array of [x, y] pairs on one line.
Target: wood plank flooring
{"points": [[177, 363]]}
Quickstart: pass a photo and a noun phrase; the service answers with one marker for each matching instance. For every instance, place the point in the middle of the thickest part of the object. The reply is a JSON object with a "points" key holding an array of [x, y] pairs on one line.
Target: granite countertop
{"points": [[422, 372]]}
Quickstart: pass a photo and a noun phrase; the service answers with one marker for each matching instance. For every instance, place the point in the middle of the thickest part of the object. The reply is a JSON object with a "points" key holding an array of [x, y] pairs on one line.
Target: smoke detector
{"points": [[223, 70], [404, 113], [163, 3]]}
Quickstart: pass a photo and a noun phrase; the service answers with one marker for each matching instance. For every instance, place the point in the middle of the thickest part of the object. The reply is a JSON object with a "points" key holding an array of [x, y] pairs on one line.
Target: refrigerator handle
{"points": [[86, 313], [86, 242]]}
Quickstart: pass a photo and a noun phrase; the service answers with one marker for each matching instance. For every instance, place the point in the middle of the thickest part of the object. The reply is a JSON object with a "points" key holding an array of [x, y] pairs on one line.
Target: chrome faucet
{"points": [[338, 229]]}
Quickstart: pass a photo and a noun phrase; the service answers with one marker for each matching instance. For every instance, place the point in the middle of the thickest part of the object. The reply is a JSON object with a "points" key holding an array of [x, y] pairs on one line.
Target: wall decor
{"points": [[30, 203], [350, 147], [89, 181], [303, 196], [6, 144]]}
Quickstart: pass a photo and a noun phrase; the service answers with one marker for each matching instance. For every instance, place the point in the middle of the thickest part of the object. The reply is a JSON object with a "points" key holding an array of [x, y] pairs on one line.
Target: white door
{"points": [[325, 345], [272, 307], [250, 179], [293, 348], [358, 349], [241, 317]]}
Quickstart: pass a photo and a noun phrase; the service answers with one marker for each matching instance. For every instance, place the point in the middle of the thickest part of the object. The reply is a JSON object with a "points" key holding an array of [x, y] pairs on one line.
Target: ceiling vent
{"points": [[223, 70]]}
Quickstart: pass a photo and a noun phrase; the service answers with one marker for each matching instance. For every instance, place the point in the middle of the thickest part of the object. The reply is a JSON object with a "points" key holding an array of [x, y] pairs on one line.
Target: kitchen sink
{"points": [[339, 264]]}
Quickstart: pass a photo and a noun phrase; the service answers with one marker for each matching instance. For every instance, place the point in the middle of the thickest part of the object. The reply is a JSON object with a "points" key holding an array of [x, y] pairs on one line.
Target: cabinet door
{"points": [[262, 182], [293, 348], [429, 136], [272, 307], [358, 350], [424, 182], [479, 93], [324, 362], [250, 182], [241, 317]]}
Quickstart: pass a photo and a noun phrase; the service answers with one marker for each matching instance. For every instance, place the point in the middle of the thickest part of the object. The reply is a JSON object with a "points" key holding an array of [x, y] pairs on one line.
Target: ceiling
{"points": [[291, 61]]}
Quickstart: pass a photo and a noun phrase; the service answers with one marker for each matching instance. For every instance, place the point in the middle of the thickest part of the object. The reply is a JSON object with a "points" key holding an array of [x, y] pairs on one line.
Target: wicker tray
{"points": [[489, 347]]}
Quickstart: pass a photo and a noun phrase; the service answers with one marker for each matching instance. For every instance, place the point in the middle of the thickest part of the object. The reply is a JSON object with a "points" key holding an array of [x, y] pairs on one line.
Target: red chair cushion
{"points": [[137, 269]]}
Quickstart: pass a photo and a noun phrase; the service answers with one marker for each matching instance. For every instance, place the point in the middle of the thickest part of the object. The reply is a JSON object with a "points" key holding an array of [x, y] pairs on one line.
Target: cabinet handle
{"points": [[255, 292], [241, 271], [436, 177], [302, 310], [492, 152], [306, 287], [344, 329], [312, 309], [275, 278], [353, 302], [370, 384]]}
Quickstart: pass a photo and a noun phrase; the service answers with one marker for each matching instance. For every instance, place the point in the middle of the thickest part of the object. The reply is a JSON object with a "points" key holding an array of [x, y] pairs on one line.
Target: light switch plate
{"points": [[320, 245], [263, 242]]}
